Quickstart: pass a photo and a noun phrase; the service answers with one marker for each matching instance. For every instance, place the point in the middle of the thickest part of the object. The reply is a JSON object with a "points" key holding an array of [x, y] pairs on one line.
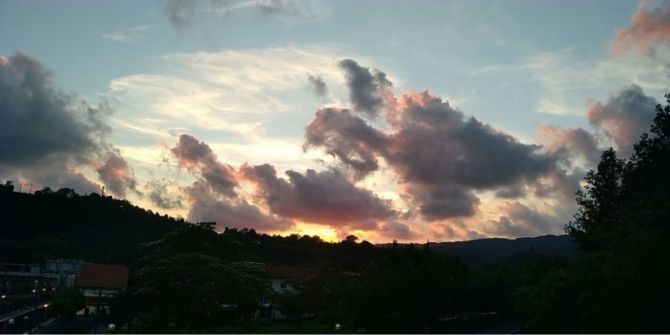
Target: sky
{"points": [[389, 120]]}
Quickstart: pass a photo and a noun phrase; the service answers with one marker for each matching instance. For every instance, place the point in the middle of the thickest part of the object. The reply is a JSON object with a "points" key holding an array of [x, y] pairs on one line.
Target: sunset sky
{"points": [[408, 120]]}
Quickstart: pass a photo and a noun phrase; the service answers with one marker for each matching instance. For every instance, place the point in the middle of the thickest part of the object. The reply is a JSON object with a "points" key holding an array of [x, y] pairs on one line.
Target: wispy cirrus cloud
{"points": [[233, 90], [568, 81], [130, 34], [184, 13]]}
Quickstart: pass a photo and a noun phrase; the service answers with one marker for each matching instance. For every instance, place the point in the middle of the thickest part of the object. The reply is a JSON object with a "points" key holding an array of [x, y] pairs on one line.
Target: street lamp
{"points": [[29, 323]]}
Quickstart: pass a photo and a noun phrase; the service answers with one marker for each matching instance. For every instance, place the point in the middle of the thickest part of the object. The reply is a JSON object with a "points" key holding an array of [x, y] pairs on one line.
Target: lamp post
{"points": [[28, 321]]}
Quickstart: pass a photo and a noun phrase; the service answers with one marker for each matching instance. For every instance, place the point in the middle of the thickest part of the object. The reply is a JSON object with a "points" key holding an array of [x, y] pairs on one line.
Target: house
{"points": [[37, 278], [281, 280], [100, 283]]}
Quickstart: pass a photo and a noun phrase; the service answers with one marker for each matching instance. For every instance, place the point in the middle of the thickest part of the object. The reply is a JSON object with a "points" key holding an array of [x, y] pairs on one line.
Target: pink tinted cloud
{"points": [[197, 156], [325, 197], [624, 117], [648, 26], [116, 174]]}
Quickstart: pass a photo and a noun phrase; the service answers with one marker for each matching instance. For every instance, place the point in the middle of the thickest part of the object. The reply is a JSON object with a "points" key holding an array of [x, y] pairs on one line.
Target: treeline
{"points": [[194, 279]]}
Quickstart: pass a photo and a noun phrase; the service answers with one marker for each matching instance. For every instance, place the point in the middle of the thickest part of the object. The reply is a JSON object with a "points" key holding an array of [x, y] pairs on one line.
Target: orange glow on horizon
{"points": [[326, 233]]}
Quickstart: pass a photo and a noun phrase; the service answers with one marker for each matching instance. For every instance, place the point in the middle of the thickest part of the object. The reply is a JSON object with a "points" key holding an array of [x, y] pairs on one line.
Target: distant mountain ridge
{"points": [[494, 250]]}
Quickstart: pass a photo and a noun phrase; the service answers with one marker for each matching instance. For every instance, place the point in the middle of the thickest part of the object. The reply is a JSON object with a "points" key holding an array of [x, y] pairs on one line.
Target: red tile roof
{"points": [[102, 276], [287, 272]]}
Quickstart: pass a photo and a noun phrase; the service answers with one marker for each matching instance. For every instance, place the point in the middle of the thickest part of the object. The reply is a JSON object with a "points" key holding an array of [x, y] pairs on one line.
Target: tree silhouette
{"points": [[181, 284], [66, 303], [598, 213], [623, 224]]}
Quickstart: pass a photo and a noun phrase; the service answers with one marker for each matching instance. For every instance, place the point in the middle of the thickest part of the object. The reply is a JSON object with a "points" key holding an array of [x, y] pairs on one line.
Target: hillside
{"points": [[63, 224]]}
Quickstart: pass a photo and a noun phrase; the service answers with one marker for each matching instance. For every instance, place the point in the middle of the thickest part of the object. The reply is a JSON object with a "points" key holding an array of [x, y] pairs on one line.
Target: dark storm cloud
{"points": [[325, 197], [47, 133], [318, 85], [520, 220], [435, 143], [347, 137], [514, 191], [366, 88], [197, 156], [648, 27], [40, 122], [624, 117], [440, 155], [205, 206], [442, 201], [160, 196]]}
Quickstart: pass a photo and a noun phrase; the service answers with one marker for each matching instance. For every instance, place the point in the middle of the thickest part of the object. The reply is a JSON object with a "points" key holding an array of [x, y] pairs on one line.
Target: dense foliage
{"points": [[66, 303]]}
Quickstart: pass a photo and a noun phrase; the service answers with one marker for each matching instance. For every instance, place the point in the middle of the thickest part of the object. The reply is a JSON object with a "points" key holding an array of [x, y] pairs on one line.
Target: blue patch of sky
{"points": [[428, 44]]}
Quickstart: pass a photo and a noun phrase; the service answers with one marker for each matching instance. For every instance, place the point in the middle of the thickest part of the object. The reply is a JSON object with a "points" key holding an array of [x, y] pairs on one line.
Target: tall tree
{"points": [[623, 224], [66, 303], [599, 204], [181, 286]]}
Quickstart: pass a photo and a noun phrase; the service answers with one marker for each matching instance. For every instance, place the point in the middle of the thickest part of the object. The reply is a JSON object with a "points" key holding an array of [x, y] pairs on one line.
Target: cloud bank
{"points": [[440, 156], [325, 197]]}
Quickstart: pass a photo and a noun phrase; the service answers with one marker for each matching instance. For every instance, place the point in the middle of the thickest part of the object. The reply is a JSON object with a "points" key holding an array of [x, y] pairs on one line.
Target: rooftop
{"points": [[102, 276]]}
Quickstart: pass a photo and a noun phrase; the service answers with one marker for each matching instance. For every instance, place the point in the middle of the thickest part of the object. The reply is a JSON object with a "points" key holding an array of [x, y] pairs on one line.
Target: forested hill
{"points": [[63, 224]]}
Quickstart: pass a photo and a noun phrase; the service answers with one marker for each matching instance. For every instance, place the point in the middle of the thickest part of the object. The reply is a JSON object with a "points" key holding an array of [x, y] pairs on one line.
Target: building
{"points": [[100, 283], [281, 280], [53, 274], [26, 289]]}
